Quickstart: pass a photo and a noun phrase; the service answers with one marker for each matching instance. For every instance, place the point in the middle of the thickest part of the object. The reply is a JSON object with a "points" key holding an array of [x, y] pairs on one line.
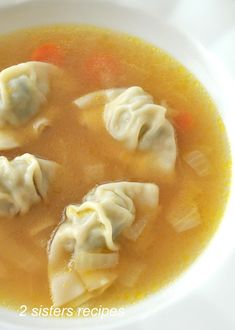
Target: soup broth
{"points": [[88, 156]]}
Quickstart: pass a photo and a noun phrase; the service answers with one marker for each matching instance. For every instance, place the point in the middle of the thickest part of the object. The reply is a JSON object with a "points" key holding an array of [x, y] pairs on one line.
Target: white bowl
{"points": [[219, 85]]}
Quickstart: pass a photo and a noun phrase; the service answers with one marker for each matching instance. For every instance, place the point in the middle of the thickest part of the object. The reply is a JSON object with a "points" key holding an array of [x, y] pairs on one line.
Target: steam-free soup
{"points": [[191, 199]]}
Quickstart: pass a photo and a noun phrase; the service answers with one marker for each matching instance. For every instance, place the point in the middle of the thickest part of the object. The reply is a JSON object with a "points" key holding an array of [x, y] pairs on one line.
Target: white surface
{"points": [[211, 307], [212, 22]]}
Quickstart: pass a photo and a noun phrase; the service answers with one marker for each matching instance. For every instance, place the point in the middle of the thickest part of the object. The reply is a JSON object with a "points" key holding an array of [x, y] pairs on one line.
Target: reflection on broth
{"points": [[143, 178]]}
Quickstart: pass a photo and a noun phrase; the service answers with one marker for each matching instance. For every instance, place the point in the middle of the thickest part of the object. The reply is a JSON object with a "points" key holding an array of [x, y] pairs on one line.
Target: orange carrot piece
{"points": [[50, 53], [184, 121], [101, 66]]}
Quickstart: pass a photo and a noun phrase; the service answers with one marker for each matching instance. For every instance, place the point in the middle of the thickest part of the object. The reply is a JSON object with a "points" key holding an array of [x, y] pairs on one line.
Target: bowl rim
{"points": [[202, 61]]}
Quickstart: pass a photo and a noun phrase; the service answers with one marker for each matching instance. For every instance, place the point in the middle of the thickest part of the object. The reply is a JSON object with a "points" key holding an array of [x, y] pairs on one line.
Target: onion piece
{"points": [[184, 217], [91, 261], [97, 98], [198, 162], [41, 124], [133, 232], [131, 276], [90, 100]]}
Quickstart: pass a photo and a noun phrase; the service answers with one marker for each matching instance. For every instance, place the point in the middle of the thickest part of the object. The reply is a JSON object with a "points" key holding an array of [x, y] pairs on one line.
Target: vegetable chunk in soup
{"points": [[140, 163]]}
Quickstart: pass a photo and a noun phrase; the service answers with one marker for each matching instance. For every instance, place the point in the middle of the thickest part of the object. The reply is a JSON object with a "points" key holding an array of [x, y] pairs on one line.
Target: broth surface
{"points": [[90, 156]]}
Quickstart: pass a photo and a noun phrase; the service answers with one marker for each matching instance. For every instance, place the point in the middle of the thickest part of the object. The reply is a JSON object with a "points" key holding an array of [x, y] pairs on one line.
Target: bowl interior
{"points": [[204, 66]]}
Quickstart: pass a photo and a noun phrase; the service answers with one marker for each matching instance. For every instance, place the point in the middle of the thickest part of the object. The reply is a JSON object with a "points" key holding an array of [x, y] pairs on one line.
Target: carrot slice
{"points": [[101, 67], [50, 53], [184, 121]]}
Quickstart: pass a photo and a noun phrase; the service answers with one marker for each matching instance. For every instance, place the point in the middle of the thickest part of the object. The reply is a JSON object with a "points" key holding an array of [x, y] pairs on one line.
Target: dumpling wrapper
{"points": [[93, 228]]}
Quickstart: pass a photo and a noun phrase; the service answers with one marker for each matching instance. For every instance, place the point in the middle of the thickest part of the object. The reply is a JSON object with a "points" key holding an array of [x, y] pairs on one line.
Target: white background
{"points": [[212, 22]]}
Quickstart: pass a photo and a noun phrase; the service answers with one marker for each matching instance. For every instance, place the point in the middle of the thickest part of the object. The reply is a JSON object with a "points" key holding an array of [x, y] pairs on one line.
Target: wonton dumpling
{"points": [[24, 181], [130, 116], [84, 249], [133, 118], [23, 89]]}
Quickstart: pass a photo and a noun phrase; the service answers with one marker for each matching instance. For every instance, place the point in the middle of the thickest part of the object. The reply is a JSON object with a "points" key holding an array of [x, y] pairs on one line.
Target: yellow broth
{"points": [[90, 156]]}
